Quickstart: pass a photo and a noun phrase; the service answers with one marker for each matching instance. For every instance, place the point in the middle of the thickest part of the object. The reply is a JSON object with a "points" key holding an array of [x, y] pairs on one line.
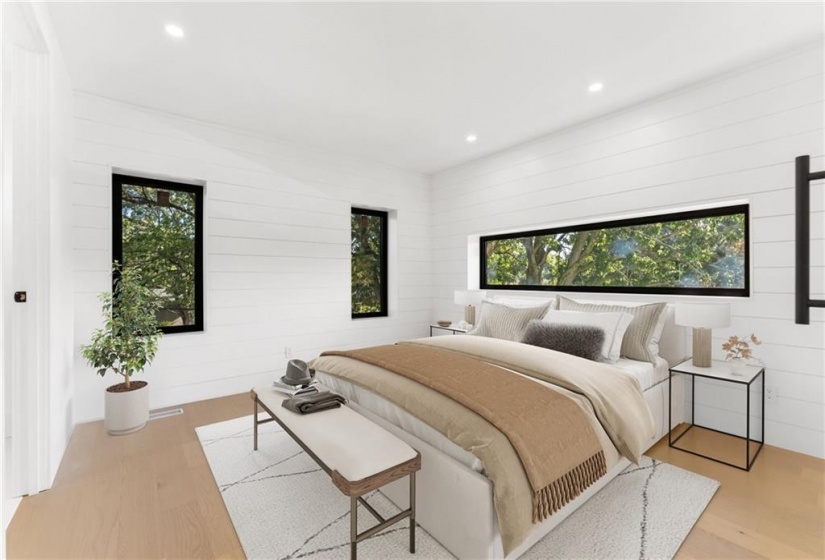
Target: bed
{"points": [[456, 504]]}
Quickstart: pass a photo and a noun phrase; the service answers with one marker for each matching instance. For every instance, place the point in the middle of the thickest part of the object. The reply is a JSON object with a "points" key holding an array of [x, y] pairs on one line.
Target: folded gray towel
{"points": [[307, 404]]}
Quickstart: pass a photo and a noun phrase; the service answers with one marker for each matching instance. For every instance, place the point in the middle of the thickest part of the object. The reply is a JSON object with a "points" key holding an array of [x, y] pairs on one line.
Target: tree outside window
{"points": [[702, 252], [158, 230], [369, 263]]}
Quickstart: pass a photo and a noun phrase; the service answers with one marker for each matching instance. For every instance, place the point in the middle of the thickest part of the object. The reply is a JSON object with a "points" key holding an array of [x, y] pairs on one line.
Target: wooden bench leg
{"points": [[412, 513], [353, 527]]}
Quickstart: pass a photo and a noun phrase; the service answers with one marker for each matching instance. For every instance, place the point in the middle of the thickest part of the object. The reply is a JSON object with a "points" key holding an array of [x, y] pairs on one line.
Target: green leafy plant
{"points": [[701, 252], [159, 241], [128, 341], [366, 263]]}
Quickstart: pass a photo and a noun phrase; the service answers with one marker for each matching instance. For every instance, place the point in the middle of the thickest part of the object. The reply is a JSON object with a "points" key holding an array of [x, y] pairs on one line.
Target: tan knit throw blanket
{"points": [[557, 446]]}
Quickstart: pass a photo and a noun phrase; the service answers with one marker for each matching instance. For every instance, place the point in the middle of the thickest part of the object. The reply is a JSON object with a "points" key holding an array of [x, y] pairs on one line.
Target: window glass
{"points": [[702, 252], [369, 263], [158, 231]]}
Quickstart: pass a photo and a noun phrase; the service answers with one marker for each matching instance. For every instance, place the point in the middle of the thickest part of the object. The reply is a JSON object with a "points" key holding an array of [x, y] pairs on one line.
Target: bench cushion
{"points": [[343, 439]]}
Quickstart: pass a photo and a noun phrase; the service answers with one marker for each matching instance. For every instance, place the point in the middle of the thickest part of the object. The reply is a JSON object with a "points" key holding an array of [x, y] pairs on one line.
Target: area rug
{"points": [[285, 507]]}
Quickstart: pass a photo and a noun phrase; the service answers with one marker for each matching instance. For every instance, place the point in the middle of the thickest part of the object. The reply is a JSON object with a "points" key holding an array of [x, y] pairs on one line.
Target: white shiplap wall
{"points": [[729, 139], [276, 255]]}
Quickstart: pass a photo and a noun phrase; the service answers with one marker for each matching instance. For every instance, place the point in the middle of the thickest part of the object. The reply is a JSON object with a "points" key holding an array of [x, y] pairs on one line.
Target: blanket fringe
{"points": [[555, 495]]}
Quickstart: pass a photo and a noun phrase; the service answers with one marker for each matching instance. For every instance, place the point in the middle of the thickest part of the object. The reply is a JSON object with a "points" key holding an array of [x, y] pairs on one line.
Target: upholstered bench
{"points": [[359, 455]]}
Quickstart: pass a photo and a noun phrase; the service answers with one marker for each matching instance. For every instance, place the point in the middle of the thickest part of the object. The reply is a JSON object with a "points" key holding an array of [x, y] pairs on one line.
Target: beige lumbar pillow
{"points": [[641, 340], [508, 323]]}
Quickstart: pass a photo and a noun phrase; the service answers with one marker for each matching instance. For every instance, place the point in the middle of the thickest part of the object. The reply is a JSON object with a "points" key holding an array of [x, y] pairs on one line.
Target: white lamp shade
{"points": [[703, 315], [469, 297]]}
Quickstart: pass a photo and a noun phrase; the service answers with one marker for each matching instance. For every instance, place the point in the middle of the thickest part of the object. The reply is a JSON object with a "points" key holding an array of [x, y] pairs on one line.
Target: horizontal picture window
{"points": [[701, 252]]}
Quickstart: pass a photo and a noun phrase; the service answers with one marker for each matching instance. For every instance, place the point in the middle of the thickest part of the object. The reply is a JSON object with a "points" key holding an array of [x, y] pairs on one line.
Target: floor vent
{"points": [[164, 413]]}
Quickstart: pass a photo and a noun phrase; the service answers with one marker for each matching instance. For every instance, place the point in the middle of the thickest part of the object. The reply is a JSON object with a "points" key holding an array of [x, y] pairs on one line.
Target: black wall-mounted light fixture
{"points": [[803, 240]]}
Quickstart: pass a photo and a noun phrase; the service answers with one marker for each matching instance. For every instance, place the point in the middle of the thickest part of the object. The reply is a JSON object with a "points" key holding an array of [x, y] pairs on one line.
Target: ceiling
{"points": [[404, 84]]}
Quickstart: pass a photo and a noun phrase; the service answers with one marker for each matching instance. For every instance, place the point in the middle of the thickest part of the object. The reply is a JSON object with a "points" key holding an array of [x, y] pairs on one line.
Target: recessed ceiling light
{"points": [[471, 138], [596, 87], [174, 31]]}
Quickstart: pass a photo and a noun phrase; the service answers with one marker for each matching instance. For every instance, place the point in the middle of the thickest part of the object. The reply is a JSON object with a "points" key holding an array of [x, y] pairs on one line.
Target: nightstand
{"points": [[719, 371], [454, 330]]}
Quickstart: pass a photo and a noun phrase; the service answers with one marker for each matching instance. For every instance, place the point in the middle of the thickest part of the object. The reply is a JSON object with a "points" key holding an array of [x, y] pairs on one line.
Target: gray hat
{"points": [[297, 373]]}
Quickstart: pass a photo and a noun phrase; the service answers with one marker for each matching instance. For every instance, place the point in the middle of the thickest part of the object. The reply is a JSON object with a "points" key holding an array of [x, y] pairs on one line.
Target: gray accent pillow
{"points": [[641, 339], [584, 341], [508, 323]]}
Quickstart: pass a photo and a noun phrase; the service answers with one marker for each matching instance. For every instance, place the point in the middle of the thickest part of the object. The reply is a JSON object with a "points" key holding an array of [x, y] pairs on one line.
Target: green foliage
{"points": [[128, 341], [159, 243], [366, 263], [702, 252]]}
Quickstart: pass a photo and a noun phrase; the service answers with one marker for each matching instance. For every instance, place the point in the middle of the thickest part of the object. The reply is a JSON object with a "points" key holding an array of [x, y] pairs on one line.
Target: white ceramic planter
{"points": [[738, 366], [126, 412]]}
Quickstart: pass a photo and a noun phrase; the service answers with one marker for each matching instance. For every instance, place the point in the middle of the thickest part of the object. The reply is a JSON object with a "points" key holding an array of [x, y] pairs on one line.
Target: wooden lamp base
{"points": [[470, 314], [702, 347]]}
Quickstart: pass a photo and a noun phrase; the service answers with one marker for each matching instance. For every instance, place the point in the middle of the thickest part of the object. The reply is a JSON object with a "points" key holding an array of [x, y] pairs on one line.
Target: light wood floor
{"points": [[145, 495], [152, 495]]}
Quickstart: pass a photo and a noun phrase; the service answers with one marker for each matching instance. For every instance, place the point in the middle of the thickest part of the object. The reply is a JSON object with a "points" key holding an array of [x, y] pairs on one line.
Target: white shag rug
{"points": [[285, 507]]}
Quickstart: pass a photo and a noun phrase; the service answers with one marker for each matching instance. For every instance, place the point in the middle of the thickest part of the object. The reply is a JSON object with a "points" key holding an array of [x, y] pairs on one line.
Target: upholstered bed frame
{"points": [[455, 503]]}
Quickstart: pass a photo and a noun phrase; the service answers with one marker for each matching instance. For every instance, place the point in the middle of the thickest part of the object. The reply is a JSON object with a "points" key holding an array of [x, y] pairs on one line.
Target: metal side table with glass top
{"points": [[742, 376]]}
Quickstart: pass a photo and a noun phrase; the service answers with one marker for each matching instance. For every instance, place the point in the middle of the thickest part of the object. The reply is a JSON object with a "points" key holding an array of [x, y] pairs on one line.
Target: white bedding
{"points": [[647, 374]]}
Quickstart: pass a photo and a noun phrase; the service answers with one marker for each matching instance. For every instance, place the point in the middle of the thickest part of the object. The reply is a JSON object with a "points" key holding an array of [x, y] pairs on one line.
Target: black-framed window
{"points": [[701, 252], [369, 263], [157, 228]]}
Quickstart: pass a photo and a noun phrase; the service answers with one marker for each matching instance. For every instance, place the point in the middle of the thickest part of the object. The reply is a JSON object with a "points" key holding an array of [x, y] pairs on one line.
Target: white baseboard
{"points": [[165, 397], [175, 396]]}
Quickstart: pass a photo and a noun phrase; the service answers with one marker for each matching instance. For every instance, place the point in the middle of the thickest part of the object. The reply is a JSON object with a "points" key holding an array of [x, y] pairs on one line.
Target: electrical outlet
{"points": [[771, 394], [287, 352]]}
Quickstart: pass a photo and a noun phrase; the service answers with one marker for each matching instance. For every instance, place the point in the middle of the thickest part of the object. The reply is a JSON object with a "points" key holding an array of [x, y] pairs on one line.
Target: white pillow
{"points": [[521, 302], [638, 340], [614, 325]]}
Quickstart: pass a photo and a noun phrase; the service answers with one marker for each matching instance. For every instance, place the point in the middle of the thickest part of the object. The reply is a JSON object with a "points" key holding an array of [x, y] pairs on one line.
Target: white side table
{"points": [[720, 371]]}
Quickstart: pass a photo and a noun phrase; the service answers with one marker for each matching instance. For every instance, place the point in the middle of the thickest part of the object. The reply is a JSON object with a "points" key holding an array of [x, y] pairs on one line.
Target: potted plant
{"points": [[126, 344]]}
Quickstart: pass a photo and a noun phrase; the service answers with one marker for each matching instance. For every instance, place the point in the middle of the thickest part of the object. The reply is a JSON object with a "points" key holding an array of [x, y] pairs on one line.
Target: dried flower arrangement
{"points": [[740, 348]]}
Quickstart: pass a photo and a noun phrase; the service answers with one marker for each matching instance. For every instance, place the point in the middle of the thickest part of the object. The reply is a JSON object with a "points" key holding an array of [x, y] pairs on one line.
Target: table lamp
{"points": [[469, 298], [703, 317]]}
